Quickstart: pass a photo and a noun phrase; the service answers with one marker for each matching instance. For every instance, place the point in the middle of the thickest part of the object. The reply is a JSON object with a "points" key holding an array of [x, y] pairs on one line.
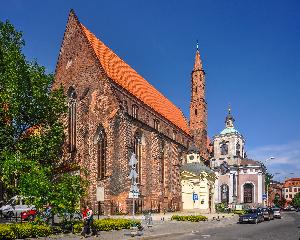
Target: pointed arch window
{"points": [[156, 124], [135, 110], [101, 152], [72, 119], [137, 149]]}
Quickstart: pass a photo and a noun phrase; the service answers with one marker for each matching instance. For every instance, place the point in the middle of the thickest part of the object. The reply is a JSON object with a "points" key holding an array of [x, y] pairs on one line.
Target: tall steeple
{"points": [[198, 106]]}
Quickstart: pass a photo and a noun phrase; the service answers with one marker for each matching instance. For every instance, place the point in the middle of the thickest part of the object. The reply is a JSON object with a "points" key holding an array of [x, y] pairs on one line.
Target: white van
{"points": [[15, 206]]}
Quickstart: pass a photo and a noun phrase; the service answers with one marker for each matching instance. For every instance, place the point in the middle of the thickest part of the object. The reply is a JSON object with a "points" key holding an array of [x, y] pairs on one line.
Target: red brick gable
{"points": [[125, 76]]}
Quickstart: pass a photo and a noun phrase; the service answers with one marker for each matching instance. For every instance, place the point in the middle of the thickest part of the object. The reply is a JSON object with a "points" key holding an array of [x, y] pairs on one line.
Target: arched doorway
{"points": [[248, 193], [225, 193]]}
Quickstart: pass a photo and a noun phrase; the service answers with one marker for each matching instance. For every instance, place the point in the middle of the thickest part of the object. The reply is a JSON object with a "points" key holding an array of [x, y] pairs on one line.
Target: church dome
{"points": [[228, 131]]}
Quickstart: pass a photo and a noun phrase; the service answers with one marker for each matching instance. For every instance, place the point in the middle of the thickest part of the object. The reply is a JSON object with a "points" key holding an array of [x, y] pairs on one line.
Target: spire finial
{"points": [[229, 109], [197, 45]]}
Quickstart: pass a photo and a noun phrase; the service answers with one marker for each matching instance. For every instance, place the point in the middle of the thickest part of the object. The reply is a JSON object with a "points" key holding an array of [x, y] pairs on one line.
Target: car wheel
{"points": [[31, 218], [10, 214], [256, 221]]}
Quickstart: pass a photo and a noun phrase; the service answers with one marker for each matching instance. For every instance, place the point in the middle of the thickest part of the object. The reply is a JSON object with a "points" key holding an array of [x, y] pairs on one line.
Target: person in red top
{"points": [[87, 217]]}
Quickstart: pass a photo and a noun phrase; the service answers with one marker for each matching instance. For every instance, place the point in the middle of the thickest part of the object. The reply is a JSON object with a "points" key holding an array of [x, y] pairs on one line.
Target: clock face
{"points": [[191, 157]]}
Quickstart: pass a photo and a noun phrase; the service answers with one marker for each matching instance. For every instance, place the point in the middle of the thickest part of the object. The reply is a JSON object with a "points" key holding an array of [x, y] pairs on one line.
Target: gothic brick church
{"points": [[114, 111]]}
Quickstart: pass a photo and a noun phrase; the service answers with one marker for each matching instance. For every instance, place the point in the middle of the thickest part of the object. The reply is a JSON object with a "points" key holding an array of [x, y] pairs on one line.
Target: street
{"points": [[287, 228]]}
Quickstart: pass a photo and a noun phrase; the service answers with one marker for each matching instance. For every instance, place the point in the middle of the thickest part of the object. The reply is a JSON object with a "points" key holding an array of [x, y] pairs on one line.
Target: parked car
{"points": [[268, 213], [298, 209], [15, 206], [277, 212], [29, 215], [252, 216], [289, 208]]}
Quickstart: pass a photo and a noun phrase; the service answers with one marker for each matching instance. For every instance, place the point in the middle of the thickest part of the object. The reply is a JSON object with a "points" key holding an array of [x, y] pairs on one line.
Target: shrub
{"points": [[25, 230], [77, 227], [6, 232], [239, 212], [108, 224], [190, 218]]}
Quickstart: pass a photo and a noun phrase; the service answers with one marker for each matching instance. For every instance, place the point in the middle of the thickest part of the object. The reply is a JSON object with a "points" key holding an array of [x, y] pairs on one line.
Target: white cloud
{"points": [[286, 162]]}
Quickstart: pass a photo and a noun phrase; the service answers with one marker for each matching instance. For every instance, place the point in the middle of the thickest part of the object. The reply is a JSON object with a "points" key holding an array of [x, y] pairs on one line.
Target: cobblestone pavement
{"points": [[160, 229]]}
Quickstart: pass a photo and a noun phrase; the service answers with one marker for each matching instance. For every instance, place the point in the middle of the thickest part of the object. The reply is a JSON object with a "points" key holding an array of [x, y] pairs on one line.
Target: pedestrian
{"points": [[88, 220]]}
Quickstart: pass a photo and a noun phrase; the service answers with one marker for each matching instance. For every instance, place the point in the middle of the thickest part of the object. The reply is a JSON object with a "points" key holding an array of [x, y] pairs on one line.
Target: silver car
{"points": [[15, 206], [277, 212]]}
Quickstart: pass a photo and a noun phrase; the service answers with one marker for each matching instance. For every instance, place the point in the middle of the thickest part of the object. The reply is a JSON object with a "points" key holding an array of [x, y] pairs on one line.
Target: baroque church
{"points": [[239, 180], [114, 112]]}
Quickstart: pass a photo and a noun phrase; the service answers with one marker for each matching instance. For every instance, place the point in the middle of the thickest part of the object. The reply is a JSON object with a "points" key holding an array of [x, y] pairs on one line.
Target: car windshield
{"points": [[264, 209], [252, 211], [276, 209], [10, 202]]}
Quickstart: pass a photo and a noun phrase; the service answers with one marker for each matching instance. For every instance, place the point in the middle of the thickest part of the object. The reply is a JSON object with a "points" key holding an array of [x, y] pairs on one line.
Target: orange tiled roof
{"points": [[292, 182], [128, 78]]}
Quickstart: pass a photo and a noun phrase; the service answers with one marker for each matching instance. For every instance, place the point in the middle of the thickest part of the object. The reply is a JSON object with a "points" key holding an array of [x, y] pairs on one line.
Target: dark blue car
{"points": [[252, 216]]}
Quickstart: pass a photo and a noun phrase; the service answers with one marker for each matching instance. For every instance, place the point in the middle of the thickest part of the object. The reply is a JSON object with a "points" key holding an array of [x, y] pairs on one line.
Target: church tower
{"points": [[198, 107]]}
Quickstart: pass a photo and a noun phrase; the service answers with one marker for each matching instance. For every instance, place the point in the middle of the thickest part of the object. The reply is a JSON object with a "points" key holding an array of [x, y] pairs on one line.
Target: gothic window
{"points": [[238, 146], [125, 105], [248, 193], [196, 112], [137, 149], [101, 152], [174, 135], [135, 111], [224, 148], [162, 149], [224, 193], [196, 89], [72, 119], [156, 124]]}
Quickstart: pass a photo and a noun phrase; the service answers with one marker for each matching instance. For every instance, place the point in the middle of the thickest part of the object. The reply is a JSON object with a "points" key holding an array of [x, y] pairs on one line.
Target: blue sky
{"points": [[250, 51]]}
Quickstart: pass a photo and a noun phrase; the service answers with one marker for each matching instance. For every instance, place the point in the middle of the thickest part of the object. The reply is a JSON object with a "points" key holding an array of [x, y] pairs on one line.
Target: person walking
{"points": [[88, 220]]}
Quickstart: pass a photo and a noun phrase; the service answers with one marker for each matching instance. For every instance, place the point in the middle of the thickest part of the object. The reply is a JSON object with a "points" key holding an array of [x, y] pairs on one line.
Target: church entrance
{"points": [[248, 193]]}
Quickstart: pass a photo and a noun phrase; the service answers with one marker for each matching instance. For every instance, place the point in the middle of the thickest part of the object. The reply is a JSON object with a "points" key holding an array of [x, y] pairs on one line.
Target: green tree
{"points": [[296, 200], [268, 180], [31, 133]]}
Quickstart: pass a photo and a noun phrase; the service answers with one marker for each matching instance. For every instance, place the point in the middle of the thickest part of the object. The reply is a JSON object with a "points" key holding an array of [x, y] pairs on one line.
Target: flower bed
{"points": [[190, 218], [23, 230]]}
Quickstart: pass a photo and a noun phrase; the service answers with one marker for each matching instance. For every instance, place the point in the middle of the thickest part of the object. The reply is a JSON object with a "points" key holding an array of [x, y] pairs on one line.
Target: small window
{"points": [[156, 124], [196, 89], [290, 196], [196, 112], [135, 111]]}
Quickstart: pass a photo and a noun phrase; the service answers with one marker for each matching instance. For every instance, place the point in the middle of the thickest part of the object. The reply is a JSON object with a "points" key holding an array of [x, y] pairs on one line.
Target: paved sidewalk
{"points": [[162, 228]]}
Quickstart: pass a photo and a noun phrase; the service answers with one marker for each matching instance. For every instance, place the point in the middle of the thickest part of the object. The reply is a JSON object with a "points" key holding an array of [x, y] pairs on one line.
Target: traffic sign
{"points": [[264, 196], [195, 196]]}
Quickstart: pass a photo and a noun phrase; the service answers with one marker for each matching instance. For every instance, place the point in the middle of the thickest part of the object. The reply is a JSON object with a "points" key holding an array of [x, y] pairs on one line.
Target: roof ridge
{"points": [[113, 65]]}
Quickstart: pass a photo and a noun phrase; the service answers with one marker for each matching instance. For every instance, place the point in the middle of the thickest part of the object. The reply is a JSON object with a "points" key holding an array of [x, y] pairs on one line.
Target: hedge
{"points": [[108, 224], [239, 212], [24, 230], [190, 218]]}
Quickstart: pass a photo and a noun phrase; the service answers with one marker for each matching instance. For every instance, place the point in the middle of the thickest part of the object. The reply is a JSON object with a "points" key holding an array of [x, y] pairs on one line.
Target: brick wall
{"points": [[100, 101]]}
